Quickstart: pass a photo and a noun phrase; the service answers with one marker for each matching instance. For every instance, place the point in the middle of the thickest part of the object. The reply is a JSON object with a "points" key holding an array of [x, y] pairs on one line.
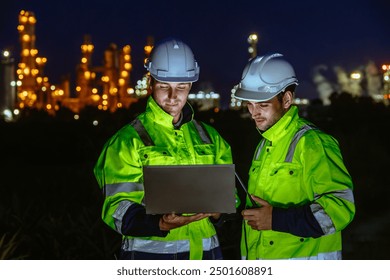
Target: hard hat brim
{"points": [[254, 96], [176, 79]]}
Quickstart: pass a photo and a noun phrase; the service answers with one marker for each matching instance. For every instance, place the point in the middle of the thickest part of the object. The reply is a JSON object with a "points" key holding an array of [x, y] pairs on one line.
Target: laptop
{"points": [[189, 189]]}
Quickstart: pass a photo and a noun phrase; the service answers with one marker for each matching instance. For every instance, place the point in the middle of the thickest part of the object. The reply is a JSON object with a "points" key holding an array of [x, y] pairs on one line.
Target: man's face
{"points": [[171, 97], [266, 113]]}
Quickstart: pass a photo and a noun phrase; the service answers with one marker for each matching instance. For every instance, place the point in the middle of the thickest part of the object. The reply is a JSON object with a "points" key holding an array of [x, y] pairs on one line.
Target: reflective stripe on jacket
{"points": [[119, 173], [292, 173]]}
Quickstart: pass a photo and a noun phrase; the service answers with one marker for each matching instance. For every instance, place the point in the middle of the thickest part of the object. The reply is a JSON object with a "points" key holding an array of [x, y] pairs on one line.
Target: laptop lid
{"points": [[189, 189]]}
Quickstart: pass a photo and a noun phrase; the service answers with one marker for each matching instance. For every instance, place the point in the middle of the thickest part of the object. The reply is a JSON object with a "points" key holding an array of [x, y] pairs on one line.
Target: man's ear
{"points": [[287, 99], [150, 83]]}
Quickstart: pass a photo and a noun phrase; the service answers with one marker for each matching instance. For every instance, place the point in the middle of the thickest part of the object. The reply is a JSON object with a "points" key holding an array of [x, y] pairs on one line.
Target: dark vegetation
{"points": [[50, 202]]}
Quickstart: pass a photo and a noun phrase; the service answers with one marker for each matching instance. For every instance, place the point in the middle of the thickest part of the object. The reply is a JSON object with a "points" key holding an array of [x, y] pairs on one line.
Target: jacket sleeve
{"points": [[329, 185], [137, 223], [299, 221], [118, 172]]}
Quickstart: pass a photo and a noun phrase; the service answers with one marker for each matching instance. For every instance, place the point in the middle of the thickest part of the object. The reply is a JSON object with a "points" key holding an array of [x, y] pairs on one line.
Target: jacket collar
{"points": [[280, 129], [158, 115]]}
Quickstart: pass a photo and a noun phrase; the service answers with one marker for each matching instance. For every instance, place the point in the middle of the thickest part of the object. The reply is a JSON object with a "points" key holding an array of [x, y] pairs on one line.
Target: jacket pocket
{"points": [[286, 186], [156, 156], [279, 245], [204, 153]]}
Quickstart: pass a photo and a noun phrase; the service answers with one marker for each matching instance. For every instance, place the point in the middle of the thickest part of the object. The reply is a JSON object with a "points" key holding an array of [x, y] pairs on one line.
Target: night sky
{"points": [[309, 33]]}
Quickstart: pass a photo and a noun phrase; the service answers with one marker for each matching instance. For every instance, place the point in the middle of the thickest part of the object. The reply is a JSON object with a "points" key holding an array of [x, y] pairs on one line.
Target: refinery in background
{"points": [[25, 85]]}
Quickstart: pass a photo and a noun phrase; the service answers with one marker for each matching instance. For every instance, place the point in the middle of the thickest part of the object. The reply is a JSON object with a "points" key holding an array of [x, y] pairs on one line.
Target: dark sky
{"points": [[348, 33]]}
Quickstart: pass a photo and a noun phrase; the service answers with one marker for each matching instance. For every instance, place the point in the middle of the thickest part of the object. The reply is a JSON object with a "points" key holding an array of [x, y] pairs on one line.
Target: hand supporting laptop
{"points": [[171, 221]]}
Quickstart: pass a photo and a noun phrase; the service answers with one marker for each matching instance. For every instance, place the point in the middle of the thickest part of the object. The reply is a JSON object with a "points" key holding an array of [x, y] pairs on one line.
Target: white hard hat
{"points": [[264, 77], [173, 61]]}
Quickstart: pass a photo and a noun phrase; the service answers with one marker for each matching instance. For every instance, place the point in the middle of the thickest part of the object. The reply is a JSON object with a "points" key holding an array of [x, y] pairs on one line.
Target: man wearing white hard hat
{"points": [[165, 134], [302, 191]]}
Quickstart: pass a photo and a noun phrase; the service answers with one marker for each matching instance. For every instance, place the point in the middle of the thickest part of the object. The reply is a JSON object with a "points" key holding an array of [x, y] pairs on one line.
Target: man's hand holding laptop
{"points": [[171, 221]]}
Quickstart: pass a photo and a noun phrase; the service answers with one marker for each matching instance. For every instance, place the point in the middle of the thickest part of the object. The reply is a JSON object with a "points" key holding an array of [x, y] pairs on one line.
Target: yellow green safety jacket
{"points": [[299, 170], [119, 174]]}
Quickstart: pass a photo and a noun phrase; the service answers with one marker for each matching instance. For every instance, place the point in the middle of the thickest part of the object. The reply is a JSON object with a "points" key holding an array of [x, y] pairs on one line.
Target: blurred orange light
{"points": [[148, 49], [26, 38]]}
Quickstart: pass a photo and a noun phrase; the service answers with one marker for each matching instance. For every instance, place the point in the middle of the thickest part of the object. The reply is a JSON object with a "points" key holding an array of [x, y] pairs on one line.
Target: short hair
{"points": [[289, 88]]}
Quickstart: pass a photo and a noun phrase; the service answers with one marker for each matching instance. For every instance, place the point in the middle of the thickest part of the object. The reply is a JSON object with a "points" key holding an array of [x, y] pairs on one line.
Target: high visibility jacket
{"points": [[292, 168], [119, 173]]}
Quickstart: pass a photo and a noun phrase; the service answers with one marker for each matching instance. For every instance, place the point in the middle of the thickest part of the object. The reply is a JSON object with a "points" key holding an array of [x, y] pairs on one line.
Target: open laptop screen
{"points": [[189, 189]]}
